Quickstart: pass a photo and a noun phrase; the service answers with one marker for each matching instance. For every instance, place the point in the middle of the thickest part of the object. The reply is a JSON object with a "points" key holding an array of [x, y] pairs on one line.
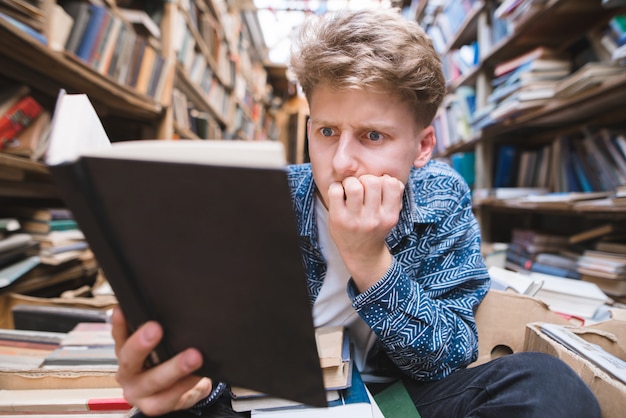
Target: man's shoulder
{"points": [[298, 170], [438, 176], [299, 176], [438, 168]]}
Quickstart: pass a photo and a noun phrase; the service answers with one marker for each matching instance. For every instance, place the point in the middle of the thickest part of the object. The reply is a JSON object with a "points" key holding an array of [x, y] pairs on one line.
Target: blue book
{"points": [[87, 44], [25, 28], [555, 270], [464, 164], [16, 270], [80, 13], [506, 166]]}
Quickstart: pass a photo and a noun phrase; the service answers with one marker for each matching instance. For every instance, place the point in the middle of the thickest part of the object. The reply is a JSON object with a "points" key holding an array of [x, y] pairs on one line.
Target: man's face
{"points": [[356, 132]]}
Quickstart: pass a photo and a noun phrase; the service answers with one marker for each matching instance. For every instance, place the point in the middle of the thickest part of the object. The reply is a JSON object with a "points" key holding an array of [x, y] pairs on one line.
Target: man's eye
{"points": [[374, 136], [326, 131]]}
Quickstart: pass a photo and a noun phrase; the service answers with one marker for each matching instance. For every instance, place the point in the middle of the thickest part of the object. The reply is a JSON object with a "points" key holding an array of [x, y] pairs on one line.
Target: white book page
{"points": [[263, 154], [75, 129]]}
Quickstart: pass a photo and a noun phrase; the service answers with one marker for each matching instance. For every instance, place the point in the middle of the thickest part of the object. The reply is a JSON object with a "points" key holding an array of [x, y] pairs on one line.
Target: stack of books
{"points": [[45, 254], [526, 82], [606, 267], [59, 373], [346, 393]]}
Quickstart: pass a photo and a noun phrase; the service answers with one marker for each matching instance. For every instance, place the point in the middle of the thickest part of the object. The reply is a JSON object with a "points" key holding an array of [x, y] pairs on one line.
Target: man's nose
{"points": [[345, 158]]}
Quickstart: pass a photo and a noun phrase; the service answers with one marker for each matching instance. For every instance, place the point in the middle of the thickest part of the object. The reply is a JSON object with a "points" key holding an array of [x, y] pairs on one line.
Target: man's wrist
{"points": [[219, 389]]}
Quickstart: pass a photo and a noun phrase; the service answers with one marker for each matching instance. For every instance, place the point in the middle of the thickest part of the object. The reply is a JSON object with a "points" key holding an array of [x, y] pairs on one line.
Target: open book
{"points": [[200, 236]]}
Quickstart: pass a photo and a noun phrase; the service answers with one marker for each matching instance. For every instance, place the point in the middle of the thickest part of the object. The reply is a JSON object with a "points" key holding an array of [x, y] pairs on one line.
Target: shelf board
{"points": [[582, 209], [197, 97], [29, 61], [467, 32]]}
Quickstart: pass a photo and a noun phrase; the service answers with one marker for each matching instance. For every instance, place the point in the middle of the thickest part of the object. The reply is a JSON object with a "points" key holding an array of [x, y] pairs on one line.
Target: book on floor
{"points": [[200, 236], [333, 347], [353, 401]]}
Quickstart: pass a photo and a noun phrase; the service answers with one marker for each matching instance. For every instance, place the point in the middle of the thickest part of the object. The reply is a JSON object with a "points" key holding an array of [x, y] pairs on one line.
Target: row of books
{"points": [[194, 122], [591, 161], [192, 51], [203, 22], [460, 62], [107, 41], [452, 121], [447, 22], [516, 12]]}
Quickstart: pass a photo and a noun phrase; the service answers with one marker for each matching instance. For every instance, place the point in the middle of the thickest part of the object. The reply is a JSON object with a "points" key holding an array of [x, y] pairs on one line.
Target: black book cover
{"points": [[211, 252]]}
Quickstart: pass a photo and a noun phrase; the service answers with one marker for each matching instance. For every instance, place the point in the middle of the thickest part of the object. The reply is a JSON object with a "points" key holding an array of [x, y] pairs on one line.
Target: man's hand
{"points": [[166, 387], [362, 211]]}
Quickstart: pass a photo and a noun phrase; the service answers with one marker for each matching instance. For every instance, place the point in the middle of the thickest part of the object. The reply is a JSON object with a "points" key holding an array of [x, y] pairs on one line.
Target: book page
{"points": [[523, 284], [329, 345], [75, 129], [258, 154]]}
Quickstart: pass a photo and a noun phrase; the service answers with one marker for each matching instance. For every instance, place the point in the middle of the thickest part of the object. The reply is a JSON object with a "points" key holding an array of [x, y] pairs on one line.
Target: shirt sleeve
{"points": [[422, 309]]}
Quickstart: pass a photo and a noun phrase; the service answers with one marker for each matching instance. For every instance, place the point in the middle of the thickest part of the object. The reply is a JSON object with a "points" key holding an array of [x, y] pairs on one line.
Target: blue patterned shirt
{"points": [[422, 309]]}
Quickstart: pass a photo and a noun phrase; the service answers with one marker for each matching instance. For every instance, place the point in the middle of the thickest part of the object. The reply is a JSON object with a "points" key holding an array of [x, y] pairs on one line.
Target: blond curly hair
{"points": [[378, 50]]}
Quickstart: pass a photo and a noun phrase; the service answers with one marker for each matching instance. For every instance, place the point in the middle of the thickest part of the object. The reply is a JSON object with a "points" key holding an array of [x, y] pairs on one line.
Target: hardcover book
{"points": [[200, 236]]}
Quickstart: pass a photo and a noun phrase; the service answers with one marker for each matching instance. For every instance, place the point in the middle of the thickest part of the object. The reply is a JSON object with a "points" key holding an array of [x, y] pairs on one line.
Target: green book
{"points": [[43, 227], [395, 402]]}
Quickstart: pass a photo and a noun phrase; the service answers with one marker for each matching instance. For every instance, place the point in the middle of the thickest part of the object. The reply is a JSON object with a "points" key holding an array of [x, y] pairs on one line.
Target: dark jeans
{"points": [[518, 385]]}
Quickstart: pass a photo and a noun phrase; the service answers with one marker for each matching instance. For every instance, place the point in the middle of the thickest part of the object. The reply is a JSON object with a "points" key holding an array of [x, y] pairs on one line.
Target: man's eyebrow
{"points": [[366, 124], [320, 121]]}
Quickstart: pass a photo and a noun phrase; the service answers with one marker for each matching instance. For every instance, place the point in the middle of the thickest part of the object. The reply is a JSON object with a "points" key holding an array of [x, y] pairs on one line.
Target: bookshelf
{"points": [[475, 38], [190, 72]]}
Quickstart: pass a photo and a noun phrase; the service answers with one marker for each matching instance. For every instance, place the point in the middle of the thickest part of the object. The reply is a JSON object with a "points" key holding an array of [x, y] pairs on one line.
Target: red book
{"points": [[534, 54], [108, 404], [18, 117]]}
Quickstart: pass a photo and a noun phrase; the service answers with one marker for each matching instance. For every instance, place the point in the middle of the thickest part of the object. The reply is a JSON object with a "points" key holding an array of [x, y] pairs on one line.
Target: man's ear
{"points": [[427, 143], [308, 128]]}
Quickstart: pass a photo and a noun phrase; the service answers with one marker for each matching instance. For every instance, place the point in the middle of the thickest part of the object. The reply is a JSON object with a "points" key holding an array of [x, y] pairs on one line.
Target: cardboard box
{"points": [[611, 336], [502, 318], [78, 298]]}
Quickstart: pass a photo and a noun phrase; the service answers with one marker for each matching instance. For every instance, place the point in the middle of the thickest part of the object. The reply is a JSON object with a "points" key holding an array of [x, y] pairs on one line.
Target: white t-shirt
{"points": [[333, 306]]}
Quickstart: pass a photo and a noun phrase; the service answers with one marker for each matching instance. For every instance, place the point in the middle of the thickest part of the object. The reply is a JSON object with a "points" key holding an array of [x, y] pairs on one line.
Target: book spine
{"points": [[18, 117], [87, 44], [81, 13]]}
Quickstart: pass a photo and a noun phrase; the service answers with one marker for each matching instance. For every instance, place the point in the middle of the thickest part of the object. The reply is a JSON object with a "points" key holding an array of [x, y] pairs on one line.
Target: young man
{"points": [[389, 241]]}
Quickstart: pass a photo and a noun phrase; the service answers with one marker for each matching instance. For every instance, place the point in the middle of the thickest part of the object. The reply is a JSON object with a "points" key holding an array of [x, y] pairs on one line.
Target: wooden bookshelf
{"points": [[28, 61], [563, 25], [218, 34]]}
